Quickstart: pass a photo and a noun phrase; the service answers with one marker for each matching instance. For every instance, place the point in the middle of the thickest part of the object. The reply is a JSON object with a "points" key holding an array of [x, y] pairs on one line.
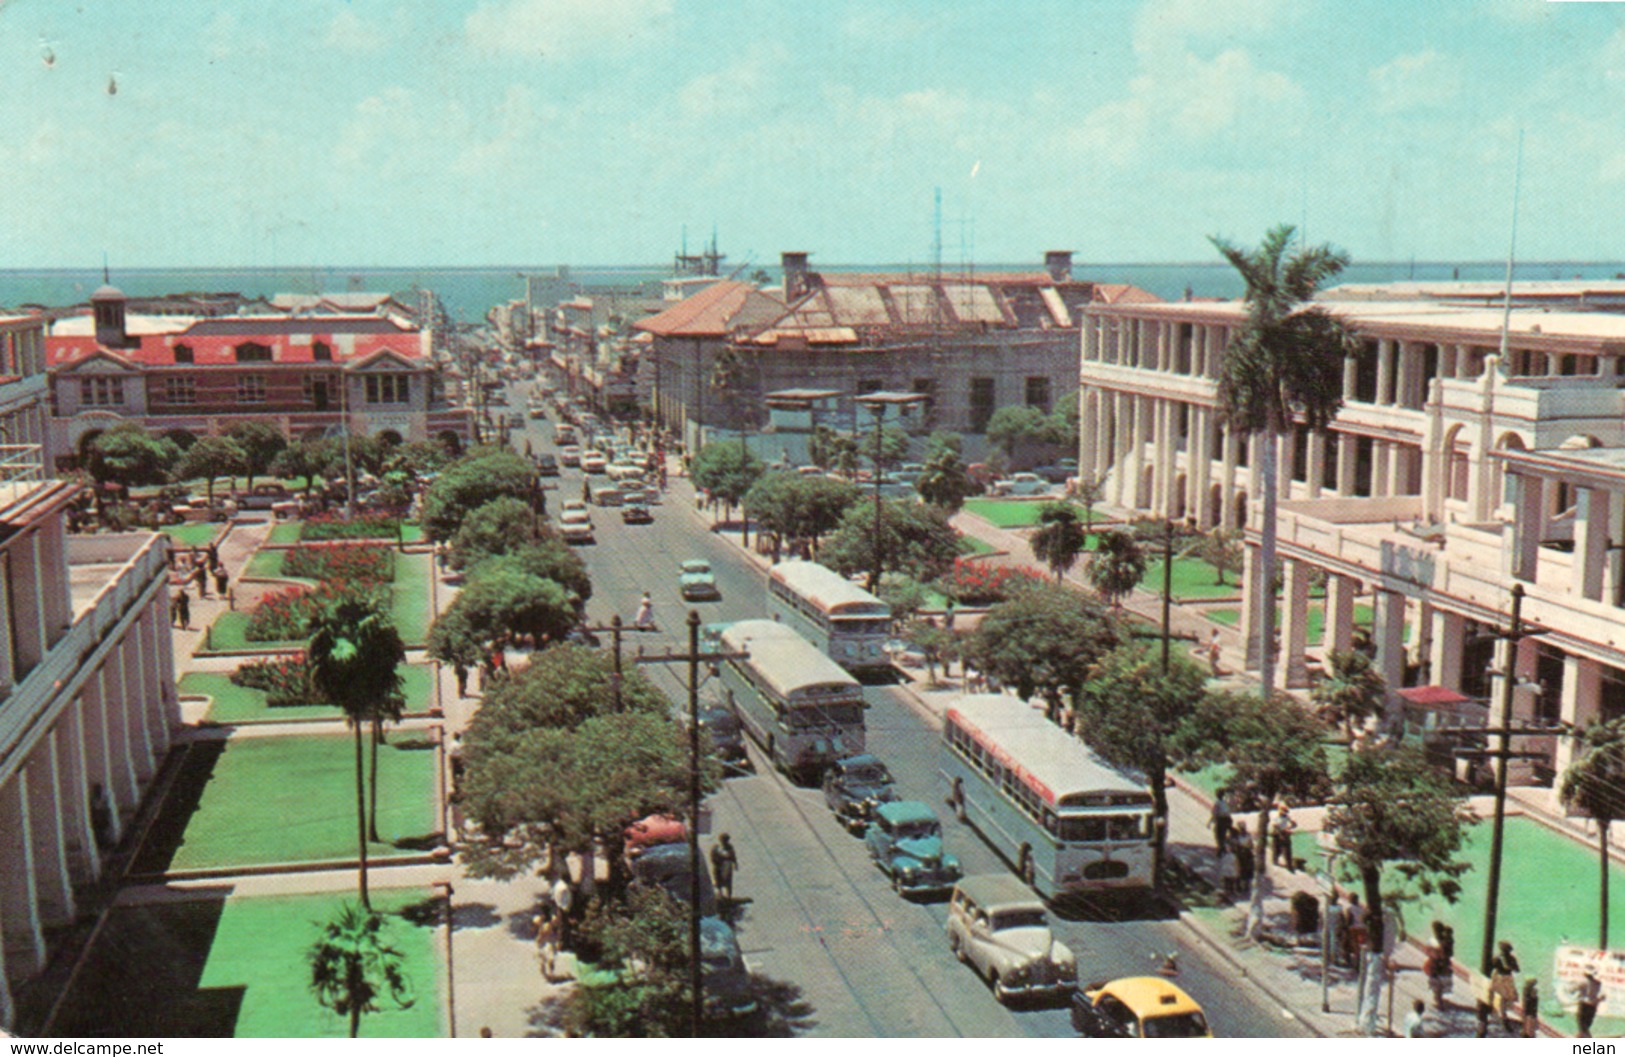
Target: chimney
{"points": [[795, 274], [107, 304], [1059, 265]]}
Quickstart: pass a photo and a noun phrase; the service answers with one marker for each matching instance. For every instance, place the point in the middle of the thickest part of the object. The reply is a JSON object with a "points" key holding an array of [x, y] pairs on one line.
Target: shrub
{"points": [[285, 680], [345, 562], [977, 583], [360, 527], [286, 615]]}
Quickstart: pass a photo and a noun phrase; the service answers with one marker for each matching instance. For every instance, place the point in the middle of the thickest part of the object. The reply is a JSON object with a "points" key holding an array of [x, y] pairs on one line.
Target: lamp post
{"points": [[877, 404]]}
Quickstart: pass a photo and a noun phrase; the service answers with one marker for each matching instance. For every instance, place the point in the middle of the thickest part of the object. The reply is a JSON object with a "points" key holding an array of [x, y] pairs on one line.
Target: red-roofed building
{"points": [[302, 368]]}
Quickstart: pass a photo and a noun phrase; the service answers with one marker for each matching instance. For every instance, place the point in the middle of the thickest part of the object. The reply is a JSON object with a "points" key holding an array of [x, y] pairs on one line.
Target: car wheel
{"points": [[958, 947], [997, 985], [897, 883]]}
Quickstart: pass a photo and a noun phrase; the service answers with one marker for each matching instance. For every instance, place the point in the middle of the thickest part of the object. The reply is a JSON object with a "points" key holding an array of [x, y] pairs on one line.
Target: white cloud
{"points": [[1177, 24], [351, 33], [1421, 80], [562, 29], [731, 91]]}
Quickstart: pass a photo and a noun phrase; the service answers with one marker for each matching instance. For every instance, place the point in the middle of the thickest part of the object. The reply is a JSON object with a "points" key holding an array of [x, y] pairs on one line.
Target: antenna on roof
{"points": [[107, 277], [1512, 250]]}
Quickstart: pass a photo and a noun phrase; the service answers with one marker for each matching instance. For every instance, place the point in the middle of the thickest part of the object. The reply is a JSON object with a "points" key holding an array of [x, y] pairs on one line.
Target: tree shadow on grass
{"points": [[417, 743], [422, 842], [167, 833]]}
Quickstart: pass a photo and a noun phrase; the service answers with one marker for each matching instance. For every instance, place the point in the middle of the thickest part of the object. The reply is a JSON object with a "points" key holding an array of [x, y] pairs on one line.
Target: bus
{"points": [[799, 706], [848, 623], [1069, 822]]}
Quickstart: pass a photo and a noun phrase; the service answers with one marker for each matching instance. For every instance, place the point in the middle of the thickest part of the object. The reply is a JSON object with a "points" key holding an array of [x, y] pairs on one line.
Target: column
{"points": [[1582, 683], [1348, 464], [124, 709], [1527, 495], [1339, 630], [52, 883], [58, 604], [84, 858], [1317, 463], [1200, 478], [1231, 445], [1380, 485], [1591, 510], [1252, 583], [1088, 431], [1389, 635], [1161, 470], [111, 767], [1293, 671], [1399, 469], [155, 693], [1613, 558], [20, 928], [1123, 437], [27, 603], [1444, 660], [1139, 436], [1351, 377], [1385, 371]]}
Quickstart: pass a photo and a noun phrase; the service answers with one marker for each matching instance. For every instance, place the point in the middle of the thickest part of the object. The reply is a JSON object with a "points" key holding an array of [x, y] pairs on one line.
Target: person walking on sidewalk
{"points": [[1439, 969], [1530, 1001], [1590, 998], [724, 863], [1355, 934], [1414, 1020], [1503, 990], [1241, 845], [1281, 828], [564, 898], [1213, 652], [1221, 822], [183, 610]]}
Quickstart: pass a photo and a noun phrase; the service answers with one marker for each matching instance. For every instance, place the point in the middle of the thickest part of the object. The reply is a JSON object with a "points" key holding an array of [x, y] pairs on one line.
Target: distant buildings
{"points": [[307, 364], [1451, 473]]}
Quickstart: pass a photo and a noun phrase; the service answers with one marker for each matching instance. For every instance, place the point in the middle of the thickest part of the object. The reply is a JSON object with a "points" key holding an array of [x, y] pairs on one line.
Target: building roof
{"points": [[214, 340], [714, 312]]}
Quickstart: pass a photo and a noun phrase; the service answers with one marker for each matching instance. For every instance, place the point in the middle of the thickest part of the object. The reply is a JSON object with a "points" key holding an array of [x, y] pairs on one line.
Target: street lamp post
{"points": [[1492, 897], [877, 403]]}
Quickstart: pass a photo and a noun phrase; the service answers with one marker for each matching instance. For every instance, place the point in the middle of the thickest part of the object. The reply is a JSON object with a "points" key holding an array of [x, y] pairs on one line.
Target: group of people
{"points": [[1231, 838], [557, 913], [203, 566]]}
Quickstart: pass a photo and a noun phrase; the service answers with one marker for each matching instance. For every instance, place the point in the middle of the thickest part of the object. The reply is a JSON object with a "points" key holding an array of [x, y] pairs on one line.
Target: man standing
{"points": [[724, 862], [1222, 821], [1281, 828], [1589, 999], [564, 898], [1336, 923]]}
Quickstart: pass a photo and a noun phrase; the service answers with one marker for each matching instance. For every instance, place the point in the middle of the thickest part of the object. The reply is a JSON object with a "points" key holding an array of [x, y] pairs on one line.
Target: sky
{"points": [[593, 132]]}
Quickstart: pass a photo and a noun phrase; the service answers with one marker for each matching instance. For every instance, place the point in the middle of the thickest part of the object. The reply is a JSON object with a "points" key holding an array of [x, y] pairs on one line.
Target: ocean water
{"points": [[468, 293]]}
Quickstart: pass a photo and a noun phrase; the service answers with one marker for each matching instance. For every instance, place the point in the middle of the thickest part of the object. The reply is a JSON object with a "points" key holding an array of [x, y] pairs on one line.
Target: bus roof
{"points": [[825, 587], [1053, 762], [784, 660]]}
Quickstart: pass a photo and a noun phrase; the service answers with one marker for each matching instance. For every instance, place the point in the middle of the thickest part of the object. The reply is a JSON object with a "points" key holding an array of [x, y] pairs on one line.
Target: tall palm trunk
{"points": [[1602, 852], [361, 815], [1266, 558], [372, 805]]}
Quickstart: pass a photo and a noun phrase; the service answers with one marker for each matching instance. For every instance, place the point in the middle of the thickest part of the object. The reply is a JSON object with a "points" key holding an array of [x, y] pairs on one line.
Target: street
{"points": [[819, 916]]}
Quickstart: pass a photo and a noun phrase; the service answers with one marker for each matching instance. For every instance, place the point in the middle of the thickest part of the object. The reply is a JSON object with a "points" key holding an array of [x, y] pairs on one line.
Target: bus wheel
{"points": [[1028, 871], [957, 799]]}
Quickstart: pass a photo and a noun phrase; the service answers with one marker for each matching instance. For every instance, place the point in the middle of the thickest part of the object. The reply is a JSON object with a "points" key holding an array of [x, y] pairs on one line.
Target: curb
{"points": [[1217, 945]]}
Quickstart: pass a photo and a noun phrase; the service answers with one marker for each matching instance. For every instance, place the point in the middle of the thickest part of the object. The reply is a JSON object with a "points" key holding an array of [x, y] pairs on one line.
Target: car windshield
{"points": [[1093, 829], [696, 567], [1176, 1026], [1022, 918], [869, 774], [916, 830]]}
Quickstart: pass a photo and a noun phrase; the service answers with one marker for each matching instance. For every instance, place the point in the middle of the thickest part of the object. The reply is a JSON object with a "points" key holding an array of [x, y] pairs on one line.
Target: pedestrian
{"points": [[1281, 828], [200, 573], [646, 612], [564, 898], [183, 610], [1222, 820], [1504, 971], [213, 554], [1530, 1001], [1355, 932], [1213, 652], [461, 671], [547, 939], [222, 580], [724, 862], [948, 615], [1587, 1001], [101, 818], [1440, 973], [1241, 843], [1336, 925], [1414, 1019], [586, 491]]}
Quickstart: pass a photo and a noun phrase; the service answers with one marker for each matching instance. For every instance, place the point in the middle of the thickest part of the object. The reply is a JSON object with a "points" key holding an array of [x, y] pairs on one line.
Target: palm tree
{"points": [[945, 483], [1351, 690], [1118, 564], [351, 966], [354, 656], [1285, 364], [1060, 537], [1594, 783]]}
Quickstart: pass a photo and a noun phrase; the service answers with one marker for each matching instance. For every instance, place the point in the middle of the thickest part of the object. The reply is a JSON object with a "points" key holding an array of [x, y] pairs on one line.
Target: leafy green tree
{"points": [[355, 655], [1014, 427], [1060, 538], [885, 449], [645, 943], [726, 471], [1283, 366], [797, 506], [1222, 549], [770, 503], [552, 559], [352, 966], [130, 456], [503, 601], [1133, 713], [562, 687], [1043, 641], [945, 483], [453, 640], [1392, 815], [1594, 784], [1118, 564], [469, 483], [417, 458], [914, 540], [1351, 690], [1063, 423], [936, 642], [944, 440], [212, 457], [261, 443], [904, 595], [305, 458], [499, 527], [1088, 491]]}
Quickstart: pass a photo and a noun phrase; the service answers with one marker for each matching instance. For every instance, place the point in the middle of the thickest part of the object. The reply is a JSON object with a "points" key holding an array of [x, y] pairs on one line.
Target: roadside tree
{"points": [[1594, 784], [1060, 538], [1016, 429], [499, 527], [1351, 691], [212, 457], [945, 483], [1118, 564], [504, 602], [914, 540], [305, 458], [1044, 641], [726, 471], [1222, 549], [261, 443], [469, 483], [129, 456]]}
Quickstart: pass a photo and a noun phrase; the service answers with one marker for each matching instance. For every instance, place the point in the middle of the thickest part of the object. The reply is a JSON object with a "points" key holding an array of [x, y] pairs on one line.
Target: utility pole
{"points": [[1509, 676], [696, 976], [616, 628], [880, 546]]}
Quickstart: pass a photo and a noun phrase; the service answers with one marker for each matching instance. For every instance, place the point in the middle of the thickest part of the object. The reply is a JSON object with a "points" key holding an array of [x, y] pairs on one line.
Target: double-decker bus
{"points": [[801, 707], [834, 614], [1067, 820]]}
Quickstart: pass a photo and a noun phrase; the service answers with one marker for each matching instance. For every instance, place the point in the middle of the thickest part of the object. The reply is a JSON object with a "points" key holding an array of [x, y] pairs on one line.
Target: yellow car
{"points": [[1138, 1007]]}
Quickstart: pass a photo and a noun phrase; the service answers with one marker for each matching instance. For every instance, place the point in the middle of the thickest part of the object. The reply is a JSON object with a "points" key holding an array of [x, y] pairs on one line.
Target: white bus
{"points": [[1067, 820], [848, 623], [803, 710]]}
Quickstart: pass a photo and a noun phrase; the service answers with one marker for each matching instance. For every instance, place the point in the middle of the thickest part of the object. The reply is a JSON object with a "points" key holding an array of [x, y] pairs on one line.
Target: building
{"points": [[88, 707], [306, 364], [968, 343], [1454, 470]]}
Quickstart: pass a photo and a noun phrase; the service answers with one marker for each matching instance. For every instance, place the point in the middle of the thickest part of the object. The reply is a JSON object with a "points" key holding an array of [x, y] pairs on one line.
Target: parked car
{"points": [[665, 866], [1138, 1007], [854, 787], [538, 411], [697, 583], [570, 455], [998, 927], [575, 522], [1059, 472], [1022, 484], [623, 469], [593, 461], [905, 841], [516, 421], [721, 727], [728, 991], [607, 495], [564, 435], [547, 465], [651, 832], [264, 496], [636, 514]]}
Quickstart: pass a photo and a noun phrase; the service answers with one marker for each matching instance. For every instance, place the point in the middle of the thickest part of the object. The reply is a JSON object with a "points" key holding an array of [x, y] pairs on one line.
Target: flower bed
{"points": [[348, 563], [285, 681], [286, 615], [974, 583], [360, 527]]}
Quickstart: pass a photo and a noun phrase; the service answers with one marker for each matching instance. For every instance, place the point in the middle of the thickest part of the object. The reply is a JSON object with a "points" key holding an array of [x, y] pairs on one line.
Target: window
{"points": [[251, 389], [101, 392], [180, 391], [322, 352], [388, 389], [253, 352], [981, 403], [1038, 392], [183, 354]]}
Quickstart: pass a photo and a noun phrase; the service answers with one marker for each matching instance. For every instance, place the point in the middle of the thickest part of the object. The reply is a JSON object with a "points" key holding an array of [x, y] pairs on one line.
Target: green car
{"points": [[905, 841], [697, 583]]}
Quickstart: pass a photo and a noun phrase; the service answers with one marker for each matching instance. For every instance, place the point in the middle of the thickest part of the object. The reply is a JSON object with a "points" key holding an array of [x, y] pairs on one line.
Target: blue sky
{"points": [[470, 132]]}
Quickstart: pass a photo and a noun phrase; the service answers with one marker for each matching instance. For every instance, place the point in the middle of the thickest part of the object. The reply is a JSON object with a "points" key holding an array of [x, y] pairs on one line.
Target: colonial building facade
{"points": [[1468, 456]]}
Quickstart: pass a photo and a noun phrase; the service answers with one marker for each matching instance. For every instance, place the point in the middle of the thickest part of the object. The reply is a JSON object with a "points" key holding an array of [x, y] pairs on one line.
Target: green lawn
{"points": [[229, 633], [219, 967], [251, 801], [286, 532], [1193, 579], [969, 545], [409, 603], [195, 534], [267, 563], [1317, 619], [240, 704], [1013, 513]]}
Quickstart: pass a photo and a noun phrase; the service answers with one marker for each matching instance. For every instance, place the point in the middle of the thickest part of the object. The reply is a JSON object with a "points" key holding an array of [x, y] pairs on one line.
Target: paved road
{"points": [[820, 916]]}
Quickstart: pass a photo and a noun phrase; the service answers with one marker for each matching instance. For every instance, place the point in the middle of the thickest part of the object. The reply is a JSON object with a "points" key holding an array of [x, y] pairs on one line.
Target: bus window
{"points": [[1082, 829]]}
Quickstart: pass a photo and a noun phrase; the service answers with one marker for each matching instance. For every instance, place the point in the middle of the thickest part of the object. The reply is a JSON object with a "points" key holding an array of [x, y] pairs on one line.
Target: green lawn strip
{"points": [[409, 598], [969, 545], [1230, 617], [229, 633], [195, 534], [253, 801], [286, 532], [1193, 579], [267, 563], [1015, 513], [413, 533], [222, 967], [239, 704]]}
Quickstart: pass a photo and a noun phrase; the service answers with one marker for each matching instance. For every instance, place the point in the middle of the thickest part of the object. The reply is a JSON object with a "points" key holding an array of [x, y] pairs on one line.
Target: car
{"points": [[997, 926], [905, 840], [538, 411], [592, 461], [652, 832], [547, 465], [264, 496], [810, 471], [697, 583], [623, 469], [665, 866], [727, 981], [564, 435], [904, 653], [570, 455], [516, 421], [1022, 484], [636, 514], [1059, 472], [575, 522], [855, 786], [726, 736], [607, 495], [1138, 1007]]}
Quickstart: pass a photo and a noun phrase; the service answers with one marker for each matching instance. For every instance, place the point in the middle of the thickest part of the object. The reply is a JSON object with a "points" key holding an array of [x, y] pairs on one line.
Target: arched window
{"points": [[253, 352]]}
